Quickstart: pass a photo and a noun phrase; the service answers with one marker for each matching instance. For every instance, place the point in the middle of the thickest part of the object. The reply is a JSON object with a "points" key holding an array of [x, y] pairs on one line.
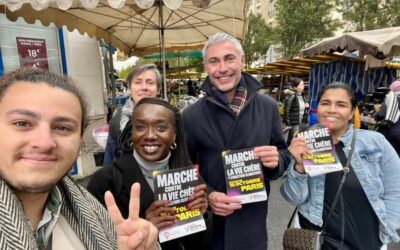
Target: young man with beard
{"points": [[233, 116], [42, 120]]}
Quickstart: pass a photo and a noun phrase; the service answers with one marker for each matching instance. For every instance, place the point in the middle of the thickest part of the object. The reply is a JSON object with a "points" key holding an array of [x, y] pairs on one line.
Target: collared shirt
{"points": [[49, 219], [53, 229]]}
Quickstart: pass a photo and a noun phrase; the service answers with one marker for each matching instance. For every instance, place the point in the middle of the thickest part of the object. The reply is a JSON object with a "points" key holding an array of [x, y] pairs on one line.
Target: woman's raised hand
{"points": [[297, 148]]}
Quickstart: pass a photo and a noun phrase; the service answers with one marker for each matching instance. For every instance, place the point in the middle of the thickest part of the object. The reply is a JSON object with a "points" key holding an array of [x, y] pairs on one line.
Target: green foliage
{"points": [[142, 61], [177, 62], [302, 22], [370, 14], [395, 13], [258, 38], [125, 72], [197, 63]]}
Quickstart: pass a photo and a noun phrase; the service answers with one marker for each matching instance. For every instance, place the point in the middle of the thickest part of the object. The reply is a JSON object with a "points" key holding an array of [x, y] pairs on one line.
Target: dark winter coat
{"points": [[212, 128], [111, 150], [292, 110], [119, 178]]}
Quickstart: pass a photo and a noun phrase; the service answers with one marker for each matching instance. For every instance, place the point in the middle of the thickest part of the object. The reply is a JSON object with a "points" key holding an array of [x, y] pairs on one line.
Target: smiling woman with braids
{"points": [[158, 143]]}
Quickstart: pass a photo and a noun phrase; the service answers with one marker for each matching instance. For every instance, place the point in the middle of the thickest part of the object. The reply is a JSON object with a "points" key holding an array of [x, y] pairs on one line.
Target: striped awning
{"points": [[303, 65]]}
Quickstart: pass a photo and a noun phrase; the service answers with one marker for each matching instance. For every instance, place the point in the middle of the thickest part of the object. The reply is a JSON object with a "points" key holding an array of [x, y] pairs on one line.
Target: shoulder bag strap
{"points": [[345, 172], [292, 217]]}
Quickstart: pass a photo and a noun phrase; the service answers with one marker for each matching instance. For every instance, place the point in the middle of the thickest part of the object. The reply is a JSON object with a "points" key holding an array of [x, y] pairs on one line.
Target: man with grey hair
{"points": [[143, 81], [233, 116]]}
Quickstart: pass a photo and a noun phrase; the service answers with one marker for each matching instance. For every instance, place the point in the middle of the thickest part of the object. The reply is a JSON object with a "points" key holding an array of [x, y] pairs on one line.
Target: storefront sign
{"points": [[32, 53]]}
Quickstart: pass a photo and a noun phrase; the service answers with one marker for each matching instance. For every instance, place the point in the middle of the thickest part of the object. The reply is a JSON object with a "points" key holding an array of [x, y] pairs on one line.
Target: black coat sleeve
{"points": [[100, 183], [277, 140], [191, 142], [188, 118]]}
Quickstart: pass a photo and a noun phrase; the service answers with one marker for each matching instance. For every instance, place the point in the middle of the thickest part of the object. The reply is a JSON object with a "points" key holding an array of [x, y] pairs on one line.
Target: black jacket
{"points": [[118, 179], [292, 110], [212, 128]]}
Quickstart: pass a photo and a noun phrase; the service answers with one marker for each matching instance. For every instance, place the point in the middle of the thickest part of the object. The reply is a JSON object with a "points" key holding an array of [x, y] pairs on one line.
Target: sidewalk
{"points": [[279, 211]]}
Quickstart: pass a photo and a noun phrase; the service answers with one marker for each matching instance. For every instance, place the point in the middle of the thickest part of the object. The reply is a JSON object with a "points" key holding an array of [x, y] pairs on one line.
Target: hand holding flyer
{"points": [[177, 186], [244, 176], [323, 157]]}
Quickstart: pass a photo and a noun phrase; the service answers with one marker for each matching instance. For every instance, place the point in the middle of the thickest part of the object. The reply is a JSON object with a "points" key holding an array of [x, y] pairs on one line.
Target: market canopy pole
{"points": [[280, 88], [112, 76], [162, 29]]}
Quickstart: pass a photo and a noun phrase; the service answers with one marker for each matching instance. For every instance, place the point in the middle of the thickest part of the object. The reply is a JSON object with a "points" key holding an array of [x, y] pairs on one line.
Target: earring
{"points": [[173, 146]]}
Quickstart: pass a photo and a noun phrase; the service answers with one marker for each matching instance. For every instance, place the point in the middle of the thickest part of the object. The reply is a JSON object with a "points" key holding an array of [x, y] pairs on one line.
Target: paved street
{"points": [[279, 213], [278, 216]]}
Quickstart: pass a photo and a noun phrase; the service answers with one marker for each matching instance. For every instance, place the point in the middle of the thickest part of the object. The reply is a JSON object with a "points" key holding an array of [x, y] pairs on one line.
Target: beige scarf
{"points": [[86, 216]]}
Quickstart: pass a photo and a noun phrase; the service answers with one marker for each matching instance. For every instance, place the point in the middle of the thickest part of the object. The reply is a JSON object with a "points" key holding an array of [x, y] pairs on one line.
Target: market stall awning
{"points": [[302, 65], [171, 55], [184, 75], [379, 43]]}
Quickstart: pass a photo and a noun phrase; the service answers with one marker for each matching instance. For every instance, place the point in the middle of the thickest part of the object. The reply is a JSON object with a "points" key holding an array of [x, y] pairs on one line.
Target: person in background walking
{"points": [[295, 108]]}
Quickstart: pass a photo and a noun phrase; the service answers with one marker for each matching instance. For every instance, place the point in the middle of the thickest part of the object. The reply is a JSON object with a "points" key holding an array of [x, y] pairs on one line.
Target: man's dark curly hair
{"points": [[37, 76]]}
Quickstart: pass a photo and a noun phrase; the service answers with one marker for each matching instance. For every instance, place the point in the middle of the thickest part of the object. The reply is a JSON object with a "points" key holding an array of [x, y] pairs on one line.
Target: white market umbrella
{"points": [[137, 31]]}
